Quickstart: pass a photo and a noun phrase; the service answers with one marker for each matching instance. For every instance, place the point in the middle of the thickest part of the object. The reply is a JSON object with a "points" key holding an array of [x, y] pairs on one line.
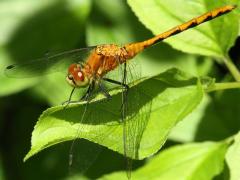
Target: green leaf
{"points": [[156, 104], [211, 39], [186, 130], [200, 161], [233, 158]]}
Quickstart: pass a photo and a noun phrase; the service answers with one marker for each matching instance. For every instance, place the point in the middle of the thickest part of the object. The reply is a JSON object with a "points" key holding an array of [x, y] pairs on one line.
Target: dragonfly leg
{"points": [[104, 91], [117, 82], [88, 93], [85, 97], [126, 87], [123, 84], [66, 103]]}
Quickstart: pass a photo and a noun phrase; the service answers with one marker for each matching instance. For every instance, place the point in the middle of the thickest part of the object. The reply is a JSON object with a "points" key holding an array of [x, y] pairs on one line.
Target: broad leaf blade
{"points": [[200, 161], [233, 158], [171, 95], [186, 130]]}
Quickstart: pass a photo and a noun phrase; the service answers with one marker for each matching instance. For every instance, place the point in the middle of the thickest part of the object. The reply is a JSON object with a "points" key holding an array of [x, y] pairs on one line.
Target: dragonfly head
{"points": [[76, 76]]}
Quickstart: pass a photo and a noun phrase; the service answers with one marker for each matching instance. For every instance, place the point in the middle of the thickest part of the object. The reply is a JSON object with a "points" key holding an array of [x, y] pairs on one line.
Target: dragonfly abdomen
{"points": [[135, 48], [190, 24]]}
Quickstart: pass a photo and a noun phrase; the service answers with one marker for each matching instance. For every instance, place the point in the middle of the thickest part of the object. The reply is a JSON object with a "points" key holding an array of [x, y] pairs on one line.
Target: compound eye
{"points": [[72, 68], [75, 72], [79, 75], [76, 76]]}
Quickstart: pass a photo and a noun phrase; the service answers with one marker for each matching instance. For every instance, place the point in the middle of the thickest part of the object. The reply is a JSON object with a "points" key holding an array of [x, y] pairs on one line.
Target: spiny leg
{"points": [[104, 91], [85, 97], [69, 100], [116, 82], [88, 93], [123, 84]]}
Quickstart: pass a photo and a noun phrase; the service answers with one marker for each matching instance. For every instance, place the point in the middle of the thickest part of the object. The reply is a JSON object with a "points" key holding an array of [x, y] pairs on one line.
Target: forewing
{"points": [[48, 64]]}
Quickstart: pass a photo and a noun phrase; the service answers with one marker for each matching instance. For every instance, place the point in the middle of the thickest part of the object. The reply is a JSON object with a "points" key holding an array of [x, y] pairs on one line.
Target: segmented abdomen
{"points": [[135, 48]]}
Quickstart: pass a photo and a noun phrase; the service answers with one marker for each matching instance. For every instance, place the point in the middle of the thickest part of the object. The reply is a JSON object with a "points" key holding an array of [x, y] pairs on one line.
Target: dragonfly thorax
{"points": [[105, 58], [76, 76]]}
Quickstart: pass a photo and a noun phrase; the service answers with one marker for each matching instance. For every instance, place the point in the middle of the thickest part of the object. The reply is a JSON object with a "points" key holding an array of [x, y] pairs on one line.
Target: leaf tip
{"points": [[28, 155]]}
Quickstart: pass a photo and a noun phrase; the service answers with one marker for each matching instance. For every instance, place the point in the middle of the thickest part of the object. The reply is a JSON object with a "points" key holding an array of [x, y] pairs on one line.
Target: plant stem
{"points": [[232, 68], [222, 86]]}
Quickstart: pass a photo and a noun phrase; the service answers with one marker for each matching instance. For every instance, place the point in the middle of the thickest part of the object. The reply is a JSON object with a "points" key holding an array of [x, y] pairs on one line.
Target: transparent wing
{"points": [[48, 64], [135, 110]]}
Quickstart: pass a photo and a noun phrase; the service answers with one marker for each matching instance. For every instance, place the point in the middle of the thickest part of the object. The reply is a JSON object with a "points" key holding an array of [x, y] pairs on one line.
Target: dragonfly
{"points": [[88, 67]]}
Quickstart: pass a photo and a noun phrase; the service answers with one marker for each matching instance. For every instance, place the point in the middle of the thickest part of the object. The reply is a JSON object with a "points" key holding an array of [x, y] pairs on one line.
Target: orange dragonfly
{"points": [[87, 67]]}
